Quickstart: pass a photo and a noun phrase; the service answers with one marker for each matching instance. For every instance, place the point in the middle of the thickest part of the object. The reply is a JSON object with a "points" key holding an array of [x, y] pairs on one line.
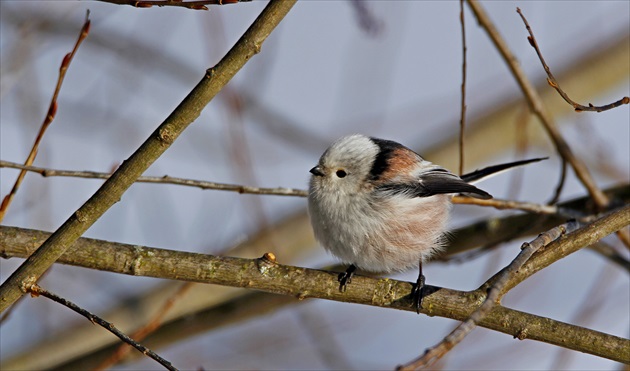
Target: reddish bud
{"points": [[52, 111]]}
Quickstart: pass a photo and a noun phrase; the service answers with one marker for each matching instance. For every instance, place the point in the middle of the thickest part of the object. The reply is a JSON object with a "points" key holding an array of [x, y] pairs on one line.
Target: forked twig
{"points": [[551, 80], [436, 352], [537, 106]]}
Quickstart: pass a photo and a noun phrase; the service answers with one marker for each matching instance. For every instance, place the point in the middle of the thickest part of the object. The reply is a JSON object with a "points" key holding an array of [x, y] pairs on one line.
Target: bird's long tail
{"points": [[496, 169]]}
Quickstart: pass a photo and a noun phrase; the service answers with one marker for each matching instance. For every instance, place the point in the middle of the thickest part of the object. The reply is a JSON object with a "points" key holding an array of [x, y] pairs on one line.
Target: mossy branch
{"points": [[265, 274]]}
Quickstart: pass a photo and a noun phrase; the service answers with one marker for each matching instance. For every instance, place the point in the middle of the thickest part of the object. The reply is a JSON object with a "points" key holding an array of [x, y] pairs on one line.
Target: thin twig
{"points": [[195, 5], [551, 80], [462, 119], [560, 186], [50, 115], [436, 352], [537, 105], [154, 146], [147, 329], [162, 180], [496, 203], [508, 204], [36, 291]]}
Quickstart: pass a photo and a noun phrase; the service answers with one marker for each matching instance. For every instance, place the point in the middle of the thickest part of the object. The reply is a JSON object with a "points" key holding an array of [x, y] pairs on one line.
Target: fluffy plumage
{"points": [[379, 206]]}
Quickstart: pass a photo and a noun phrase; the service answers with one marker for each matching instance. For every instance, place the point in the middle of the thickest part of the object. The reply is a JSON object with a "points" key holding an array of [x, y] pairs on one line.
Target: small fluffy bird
{"points": [[378, 206]]}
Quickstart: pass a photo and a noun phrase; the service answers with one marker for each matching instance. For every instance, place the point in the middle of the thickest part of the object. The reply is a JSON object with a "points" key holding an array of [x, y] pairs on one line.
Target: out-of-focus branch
{"points": [[153, 324], [195, 5], [265, 274], [159, 141], [529, 207], [554, 83], [50, 116]]}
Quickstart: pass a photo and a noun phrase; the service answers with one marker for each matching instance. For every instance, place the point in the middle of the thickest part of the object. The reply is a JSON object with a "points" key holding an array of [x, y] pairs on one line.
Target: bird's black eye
{"points": [[341, 173]]}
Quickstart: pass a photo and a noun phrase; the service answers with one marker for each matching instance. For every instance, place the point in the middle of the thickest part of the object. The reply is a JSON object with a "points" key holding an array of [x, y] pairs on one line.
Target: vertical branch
{"points": [[159, 141], [50, 116], [462, 120]]}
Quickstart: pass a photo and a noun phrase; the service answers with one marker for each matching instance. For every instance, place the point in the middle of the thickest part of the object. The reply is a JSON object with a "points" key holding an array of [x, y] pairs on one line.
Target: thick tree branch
{"points": [[265, 274], [161, 139]]}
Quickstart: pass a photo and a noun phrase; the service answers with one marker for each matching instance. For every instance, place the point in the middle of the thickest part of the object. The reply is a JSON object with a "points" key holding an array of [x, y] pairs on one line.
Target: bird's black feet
{"points": [[346, 277], [417, 293]]}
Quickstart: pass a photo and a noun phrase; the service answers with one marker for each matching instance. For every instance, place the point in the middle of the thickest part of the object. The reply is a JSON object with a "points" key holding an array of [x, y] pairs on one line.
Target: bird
{"points": [[379, 206]]}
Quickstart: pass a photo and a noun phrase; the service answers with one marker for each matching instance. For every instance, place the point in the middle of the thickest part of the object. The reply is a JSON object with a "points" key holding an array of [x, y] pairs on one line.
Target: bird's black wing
{"points": [[434, 182]]}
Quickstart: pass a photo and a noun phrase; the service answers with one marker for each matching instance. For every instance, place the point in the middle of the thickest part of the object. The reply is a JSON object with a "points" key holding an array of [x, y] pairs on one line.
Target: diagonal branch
{"points": [[568, 244], [35, 290], [158, 142], [456, 336]]}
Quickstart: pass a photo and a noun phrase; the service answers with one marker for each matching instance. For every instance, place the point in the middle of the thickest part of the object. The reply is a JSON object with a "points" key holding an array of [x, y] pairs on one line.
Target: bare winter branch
{"points": [[554, 83], [436, 352], [161, 180], [37, 291], [50, 116]]}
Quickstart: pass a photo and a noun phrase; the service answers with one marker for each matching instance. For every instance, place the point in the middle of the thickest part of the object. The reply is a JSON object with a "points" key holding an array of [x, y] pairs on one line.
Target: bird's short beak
{"points": [[317, 171]]}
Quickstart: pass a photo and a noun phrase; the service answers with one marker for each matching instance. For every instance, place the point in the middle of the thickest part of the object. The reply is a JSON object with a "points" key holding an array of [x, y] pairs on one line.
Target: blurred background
{"points": [[387, 69]]}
